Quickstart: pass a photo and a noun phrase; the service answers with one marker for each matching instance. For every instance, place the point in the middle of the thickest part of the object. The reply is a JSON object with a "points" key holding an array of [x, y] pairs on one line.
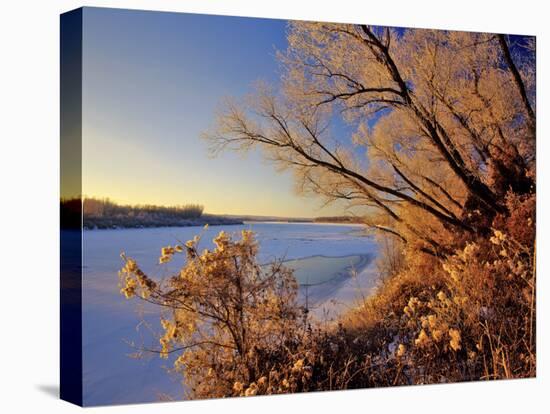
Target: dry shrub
{"points": [[391, 259], [467, 316], [229, 320], [238, 330]]}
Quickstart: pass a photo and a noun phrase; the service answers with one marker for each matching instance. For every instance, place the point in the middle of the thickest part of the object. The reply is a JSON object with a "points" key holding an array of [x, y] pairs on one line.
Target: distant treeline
{"points": [[338, 219], [102, 213], [103, 207]]}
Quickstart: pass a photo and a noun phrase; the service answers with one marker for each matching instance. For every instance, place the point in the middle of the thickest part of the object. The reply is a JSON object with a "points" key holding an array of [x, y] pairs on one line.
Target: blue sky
{"points": [[151, 84]]}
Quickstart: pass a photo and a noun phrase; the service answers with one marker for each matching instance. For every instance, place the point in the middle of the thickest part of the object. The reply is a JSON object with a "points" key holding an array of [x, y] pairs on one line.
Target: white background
{"points": [[29, 183]]}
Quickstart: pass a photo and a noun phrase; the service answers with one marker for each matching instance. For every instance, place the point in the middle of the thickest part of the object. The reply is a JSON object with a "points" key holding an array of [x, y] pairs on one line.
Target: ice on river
{"points": [[324, 258]]}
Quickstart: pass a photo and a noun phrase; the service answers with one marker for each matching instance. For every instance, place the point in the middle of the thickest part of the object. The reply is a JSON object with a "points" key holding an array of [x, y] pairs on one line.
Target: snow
{"points": [[110, 322]]}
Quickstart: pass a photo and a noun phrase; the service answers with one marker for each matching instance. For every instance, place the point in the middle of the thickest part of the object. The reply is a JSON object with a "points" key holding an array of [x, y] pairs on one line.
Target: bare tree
{"points": [[444, 126]]}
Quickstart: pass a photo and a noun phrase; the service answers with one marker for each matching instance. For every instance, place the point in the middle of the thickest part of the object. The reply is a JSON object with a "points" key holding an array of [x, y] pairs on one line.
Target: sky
{"points": [[151, 84]]}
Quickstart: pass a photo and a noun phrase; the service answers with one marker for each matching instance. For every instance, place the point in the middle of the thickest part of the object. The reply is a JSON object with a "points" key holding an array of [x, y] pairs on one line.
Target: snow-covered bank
{"points": [[360, 284]]}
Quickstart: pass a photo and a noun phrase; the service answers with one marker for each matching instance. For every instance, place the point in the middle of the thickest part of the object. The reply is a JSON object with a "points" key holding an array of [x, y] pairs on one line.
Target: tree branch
{"points": [[517, 79]]}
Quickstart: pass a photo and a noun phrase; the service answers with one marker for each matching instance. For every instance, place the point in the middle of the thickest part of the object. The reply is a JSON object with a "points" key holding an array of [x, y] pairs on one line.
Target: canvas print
{"points": [[254, 206]]}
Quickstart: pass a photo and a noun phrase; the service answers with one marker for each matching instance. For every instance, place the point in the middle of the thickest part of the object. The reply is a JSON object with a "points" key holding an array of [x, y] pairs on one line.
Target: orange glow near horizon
{"points": [[142, 122], [133, 174]]}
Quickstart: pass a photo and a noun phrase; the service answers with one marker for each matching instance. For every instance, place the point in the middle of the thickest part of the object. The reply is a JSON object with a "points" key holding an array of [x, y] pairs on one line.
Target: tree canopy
{"points": [[444, 125]]}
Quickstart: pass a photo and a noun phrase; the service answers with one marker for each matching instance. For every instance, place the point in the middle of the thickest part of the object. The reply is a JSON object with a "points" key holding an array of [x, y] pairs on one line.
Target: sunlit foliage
{"points": [[440, 164], [444, 125], [229, 319]]}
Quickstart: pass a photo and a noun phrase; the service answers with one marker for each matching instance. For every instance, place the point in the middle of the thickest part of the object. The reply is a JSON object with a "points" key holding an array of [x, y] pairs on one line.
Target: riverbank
{"points": [[345, 283], [124, 222], [99, 223]]}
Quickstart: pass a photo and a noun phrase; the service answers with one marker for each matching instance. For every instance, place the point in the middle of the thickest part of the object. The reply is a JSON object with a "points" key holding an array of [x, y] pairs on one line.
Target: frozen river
{"points": [[323, 256]]}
